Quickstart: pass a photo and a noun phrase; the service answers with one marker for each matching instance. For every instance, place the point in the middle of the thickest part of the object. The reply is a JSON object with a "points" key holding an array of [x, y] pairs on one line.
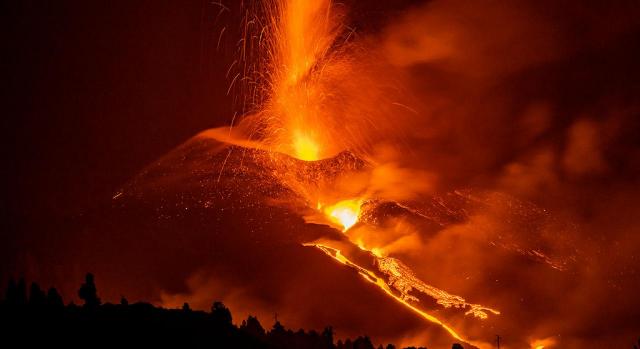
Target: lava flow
{"points": [[315, 102], [345, 212], [382, 284], [397, 279]]}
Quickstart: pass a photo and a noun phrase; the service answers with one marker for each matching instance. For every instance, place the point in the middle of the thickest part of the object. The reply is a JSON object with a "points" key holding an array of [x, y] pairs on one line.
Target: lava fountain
{"points": [[316, 101]]}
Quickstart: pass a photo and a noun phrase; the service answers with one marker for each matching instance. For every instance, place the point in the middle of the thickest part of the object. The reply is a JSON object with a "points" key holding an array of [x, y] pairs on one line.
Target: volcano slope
{"points": [[212, 220]]}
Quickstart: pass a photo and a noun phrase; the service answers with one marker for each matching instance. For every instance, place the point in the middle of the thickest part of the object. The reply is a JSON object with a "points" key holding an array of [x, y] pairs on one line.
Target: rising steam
{"points": [[454, 95]]}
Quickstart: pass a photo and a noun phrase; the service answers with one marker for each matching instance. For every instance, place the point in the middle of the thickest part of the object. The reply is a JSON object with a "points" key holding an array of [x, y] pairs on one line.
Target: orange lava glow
{"points": [[344, 213], [301, 34], [305, 147], [543, 343], [305, 82], [370, 276]]}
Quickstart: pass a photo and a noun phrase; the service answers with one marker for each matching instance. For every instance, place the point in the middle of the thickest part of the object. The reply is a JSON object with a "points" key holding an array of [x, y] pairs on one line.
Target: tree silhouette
{"points": [[37, 298], [49, 323], [12, 293], [327, 337], [88, 292], [252, 327], [18, 296], [278, 328], [54, 300], [363, 343], [457, 346], [220, 313]]}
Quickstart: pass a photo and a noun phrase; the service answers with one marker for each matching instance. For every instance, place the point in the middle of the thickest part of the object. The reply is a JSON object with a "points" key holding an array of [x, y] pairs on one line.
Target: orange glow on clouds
{"points": [[543, 343]]}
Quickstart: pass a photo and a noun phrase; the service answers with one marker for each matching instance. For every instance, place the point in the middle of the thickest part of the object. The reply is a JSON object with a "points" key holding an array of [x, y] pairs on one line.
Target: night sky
{"points": [[94, 91]]}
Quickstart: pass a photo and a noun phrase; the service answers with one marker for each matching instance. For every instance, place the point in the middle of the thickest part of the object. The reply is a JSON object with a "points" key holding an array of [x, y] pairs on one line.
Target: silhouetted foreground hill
{"points": [[42, 319]]}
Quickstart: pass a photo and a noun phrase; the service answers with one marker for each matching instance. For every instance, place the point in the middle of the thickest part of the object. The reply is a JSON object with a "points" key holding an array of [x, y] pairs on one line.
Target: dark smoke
{"points": [[536, 101]]}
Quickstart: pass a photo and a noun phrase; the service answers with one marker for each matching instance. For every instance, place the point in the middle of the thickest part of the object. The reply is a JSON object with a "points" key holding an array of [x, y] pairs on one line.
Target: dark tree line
{"points": [[42, 319]]}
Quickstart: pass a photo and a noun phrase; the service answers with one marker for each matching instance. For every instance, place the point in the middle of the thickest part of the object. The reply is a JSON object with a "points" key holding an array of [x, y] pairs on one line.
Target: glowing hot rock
{"points": [[345, 213], [305, 147]]}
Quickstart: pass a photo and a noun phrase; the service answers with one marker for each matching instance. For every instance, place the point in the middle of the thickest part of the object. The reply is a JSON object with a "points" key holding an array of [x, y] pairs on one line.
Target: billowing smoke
{"points": [[536, 103], [520, 119]]}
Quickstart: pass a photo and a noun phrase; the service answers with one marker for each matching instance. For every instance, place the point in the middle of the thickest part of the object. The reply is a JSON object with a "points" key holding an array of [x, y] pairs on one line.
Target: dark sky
{"points": [[93, 92], [96, 90]]}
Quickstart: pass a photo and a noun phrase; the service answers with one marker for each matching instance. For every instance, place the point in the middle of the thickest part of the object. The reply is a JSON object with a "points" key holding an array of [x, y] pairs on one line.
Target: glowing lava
{"points": [[297, 40], [303, 114], [398, 280], [345, 212], [305, 147], [543, 343], [382, 284]]}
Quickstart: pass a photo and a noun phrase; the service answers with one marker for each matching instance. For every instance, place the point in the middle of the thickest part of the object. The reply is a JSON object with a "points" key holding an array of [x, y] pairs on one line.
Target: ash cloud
{"points": [[529, 106], [536, 101]]}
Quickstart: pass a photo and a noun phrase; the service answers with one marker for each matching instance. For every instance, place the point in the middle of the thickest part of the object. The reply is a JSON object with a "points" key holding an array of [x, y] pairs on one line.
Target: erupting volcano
{"points": [[303, 114], [310, 146], [413, 182]]}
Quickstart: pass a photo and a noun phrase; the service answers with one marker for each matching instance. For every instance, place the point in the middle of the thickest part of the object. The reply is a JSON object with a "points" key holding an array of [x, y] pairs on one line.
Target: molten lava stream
{"points": [[303, 115], [345, 214], [382, 284]]}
